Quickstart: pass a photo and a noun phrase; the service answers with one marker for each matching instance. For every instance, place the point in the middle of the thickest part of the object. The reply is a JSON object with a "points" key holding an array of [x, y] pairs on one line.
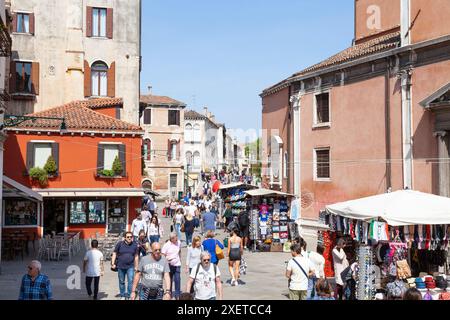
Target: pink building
{"points": [[370, 118]]}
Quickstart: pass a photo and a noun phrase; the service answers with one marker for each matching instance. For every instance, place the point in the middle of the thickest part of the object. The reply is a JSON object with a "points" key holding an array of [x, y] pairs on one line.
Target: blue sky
{"points": [[222, 54]]}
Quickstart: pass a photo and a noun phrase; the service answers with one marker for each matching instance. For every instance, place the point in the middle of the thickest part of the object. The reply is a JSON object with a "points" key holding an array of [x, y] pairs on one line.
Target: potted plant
{"points": [[117, 166], [50, 167], [39, 174]]}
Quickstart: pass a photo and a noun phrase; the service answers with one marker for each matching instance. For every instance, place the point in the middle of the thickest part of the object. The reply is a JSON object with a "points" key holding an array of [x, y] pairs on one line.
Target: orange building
{"points": [[96, 186], [371, 118]]}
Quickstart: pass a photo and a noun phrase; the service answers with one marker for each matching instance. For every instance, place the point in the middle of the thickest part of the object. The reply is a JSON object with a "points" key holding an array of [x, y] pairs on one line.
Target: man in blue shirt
{"points": [[126, 259], [209, 220], [35, 286]]}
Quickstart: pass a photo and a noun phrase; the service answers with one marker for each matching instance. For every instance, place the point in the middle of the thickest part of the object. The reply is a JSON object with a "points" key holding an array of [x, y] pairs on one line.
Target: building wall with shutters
{"points": [[77, 160], [160, 133], [62, 48]]}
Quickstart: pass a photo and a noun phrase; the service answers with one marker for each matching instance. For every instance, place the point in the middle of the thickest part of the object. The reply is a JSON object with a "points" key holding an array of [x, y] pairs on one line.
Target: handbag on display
{"points": [[403, 269]]}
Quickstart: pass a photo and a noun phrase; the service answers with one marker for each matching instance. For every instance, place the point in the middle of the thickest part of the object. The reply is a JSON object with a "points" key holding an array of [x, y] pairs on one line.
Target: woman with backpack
{"points": [[155, 230], [235, 252]]}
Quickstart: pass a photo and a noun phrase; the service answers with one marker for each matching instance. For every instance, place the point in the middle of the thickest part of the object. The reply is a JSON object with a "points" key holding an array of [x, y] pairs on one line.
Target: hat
{"points": [[441, 284]]}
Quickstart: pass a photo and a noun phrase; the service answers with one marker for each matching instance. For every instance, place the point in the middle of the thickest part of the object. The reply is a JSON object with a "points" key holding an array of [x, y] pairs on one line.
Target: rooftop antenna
{"points": [[149, 89]]}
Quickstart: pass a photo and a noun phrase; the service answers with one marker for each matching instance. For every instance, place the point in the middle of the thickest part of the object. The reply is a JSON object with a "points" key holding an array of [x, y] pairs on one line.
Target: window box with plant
{"points": [[42, 175], [114, 172]]}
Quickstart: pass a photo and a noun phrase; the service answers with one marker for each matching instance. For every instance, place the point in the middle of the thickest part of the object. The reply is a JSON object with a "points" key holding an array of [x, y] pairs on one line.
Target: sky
{"points": [[222, 54]]}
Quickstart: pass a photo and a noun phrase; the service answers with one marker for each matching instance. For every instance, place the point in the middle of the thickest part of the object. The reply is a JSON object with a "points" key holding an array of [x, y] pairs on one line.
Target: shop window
{"points": [[87, 212], [322, 164], [174, 118], [19, 212], [117, 215], [99, 79]]}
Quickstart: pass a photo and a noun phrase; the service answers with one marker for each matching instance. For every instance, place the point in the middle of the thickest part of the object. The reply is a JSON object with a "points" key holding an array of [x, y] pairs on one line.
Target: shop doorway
{"points": [[117, 216], [54, 215]]}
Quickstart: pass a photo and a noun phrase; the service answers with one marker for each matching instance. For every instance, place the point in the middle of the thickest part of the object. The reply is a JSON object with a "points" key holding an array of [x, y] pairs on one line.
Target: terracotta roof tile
{"points": [[193, 115], [77, 118], [101, 103], [376, 45], [160, 100]]}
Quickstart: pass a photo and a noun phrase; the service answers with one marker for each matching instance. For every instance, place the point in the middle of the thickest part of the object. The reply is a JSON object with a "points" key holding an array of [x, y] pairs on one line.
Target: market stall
{"points": [[399, 240], [271, 226]]}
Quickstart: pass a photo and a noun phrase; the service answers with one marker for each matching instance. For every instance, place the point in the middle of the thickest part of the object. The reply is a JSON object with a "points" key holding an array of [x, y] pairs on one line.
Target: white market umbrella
{"points": [[399, 208]]}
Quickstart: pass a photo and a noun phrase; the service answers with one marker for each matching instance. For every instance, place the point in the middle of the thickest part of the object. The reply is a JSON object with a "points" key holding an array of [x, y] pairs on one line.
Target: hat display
{"points": [[420, 284]]}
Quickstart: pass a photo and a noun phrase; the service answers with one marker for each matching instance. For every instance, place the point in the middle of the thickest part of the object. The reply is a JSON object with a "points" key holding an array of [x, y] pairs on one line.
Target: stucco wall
{"points": [[389, 16], [60, 46], [432, 20]]}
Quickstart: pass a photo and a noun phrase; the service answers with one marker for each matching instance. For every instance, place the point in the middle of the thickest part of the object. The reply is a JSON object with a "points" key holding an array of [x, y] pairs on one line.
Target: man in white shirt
{"points": [[138, 225], [93, 267], [206, 279], [318, 262], [298, 270], [146, 215], [192, 209]]}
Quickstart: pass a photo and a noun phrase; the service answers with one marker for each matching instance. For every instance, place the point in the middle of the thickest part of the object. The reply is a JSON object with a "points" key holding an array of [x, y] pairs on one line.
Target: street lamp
{"points": [[13, 120], [187, 178]]}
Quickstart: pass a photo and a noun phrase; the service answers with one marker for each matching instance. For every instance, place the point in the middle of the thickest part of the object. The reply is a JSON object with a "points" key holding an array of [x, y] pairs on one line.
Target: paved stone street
{"points": [[264, 279]]}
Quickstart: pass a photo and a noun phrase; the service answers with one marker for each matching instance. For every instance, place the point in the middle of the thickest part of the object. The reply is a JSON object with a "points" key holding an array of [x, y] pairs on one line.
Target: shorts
{"points": [[245, 232], [297, 294]]}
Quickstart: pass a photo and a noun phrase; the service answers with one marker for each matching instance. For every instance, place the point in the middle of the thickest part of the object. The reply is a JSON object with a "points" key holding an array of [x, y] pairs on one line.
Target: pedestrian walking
{"points": [[146, 215], [137, 225], [298, 270], [172, 251], [143, 244], [209, 220], [151, 205], [235, 252], [167, 206], [205, 278], [189, 225], [193, 254], [151, 276], [125, 258], [93, 267], [178, 220], [173, 208], [244, 225], [35, 285], [155, 230], [340, 263], [318, 261], [228, 215], [209, 244]]}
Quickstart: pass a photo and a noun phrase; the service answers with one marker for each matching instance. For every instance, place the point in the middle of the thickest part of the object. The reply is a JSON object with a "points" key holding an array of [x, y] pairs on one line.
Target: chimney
{"points": [[205, 111], [149, 89], [405, 17]]}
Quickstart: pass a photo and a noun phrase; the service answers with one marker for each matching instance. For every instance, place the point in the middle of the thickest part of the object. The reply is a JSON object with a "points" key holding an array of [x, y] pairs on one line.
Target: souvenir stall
{"points": [[234, 195], [404, 245], [270, 225]]}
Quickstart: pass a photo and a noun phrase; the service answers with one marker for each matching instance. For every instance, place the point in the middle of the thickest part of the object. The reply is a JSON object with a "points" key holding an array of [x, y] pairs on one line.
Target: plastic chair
{"points": [[64, 246]]}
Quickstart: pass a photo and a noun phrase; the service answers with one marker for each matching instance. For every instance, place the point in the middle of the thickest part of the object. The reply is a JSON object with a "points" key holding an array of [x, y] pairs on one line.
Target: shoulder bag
{"points": [[219, 252]]}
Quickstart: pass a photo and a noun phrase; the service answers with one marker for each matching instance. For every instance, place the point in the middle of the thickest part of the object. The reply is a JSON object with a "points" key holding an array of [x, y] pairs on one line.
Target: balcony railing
{"points": [[5, 40]]}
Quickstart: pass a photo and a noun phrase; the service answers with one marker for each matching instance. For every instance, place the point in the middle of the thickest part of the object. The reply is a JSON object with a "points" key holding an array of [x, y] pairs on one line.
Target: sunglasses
{"points": [[157, 250], [207, 260], [128, 237]]}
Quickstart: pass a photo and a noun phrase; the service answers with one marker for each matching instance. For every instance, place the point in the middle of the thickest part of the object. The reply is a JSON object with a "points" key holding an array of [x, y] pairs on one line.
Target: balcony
{"points": [[5, 40]]}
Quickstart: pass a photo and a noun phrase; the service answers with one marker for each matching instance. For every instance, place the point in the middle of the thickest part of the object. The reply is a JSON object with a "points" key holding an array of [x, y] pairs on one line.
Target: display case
{"points": [[87, 212], [20, 212]]}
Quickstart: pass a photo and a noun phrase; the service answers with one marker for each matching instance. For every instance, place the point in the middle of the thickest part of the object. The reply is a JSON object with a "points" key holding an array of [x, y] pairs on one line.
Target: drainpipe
{"points": [[405, 18], [405, 77], [296, 104], [388, 124]]}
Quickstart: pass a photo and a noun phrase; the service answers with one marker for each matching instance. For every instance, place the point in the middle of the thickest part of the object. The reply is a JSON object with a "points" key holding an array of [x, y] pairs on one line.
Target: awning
{"points": [[13, 189], [111, 193], [236, 185], [267, 192], [399, 208]]}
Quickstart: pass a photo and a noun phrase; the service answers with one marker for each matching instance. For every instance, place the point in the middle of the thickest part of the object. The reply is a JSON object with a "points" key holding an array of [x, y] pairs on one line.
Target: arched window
{"points": [[197, 162], [147, 149], [189, 158], [197, 135], [188, 132], [99, 79]]}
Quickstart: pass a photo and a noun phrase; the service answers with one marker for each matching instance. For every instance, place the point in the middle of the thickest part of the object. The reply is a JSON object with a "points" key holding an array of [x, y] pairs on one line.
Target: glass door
{"points": [[117, 215]]}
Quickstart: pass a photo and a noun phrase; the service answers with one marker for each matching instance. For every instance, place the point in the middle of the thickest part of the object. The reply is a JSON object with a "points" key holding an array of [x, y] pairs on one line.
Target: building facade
{"points": [[71, 50], [94, 184], [371, 118], [162, 118]]}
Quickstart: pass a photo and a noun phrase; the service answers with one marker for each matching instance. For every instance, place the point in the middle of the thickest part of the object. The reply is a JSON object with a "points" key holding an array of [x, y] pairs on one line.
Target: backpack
{"points": [[243, 219]]}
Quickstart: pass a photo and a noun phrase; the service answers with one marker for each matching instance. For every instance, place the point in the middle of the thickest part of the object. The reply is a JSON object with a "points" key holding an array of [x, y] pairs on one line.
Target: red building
{"points": [[371, 118], [84, 193]]}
